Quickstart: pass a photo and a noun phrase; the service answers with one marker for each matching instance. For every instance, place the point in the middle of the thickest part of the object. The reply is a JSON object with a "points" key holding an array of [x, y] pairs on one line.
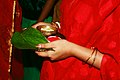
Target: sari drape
{"points": [[89, 23]]}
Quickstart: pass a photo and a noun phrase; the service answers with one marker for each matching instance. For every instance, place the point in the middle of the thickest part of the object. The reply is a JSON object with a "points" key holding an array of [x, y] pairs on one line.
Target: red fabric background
{"points": [[6, 10]]}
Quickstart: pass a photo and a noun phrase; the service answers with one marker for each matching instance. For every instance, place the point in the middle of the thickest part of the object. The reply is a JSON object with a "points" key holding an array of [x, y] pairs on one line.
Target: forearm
{"points": [[56, 14], [46, 9], [84, 53]]}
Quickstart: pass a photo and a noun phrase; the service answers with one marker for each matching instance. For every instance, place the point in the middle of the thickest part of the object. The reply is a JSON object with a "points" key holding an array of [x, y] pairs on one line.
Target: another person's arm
{"points": [[56, 14], [46, 10]]}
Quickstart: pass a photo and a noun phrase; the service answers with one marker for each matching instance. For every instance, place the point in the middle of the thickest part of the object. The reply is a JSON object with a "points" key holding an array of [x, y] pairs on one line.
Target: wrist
{"points": [[73, 49], [57, 23]]}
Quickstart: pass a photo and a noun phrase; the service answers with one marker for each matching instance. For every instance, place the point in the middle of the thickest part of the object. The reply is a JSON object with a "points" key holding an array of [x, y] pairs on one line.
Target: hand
{"points": [[47, 29], [62, 49], [39, 24], [54, 25]]}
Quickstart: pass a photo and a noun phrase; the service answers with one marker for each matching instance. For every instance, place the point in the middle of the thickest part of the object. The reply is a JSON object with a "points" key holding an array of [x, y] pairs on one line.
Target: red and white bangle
{"points": [[58, 23]]}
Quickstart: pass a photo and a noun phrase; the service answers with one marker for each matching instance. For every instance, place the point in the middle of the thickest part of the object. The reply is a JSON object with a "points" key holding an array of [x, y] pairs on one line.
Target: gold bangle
{"points": [[90, 55], [94, 58]]}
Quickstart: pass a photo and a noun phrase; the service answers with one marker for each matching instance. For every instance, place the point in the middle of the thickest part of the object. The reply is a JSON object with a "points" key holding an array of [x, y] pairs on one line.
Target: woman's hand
{"points": [[40, 24], [45, 24], [62, 49], [47, 29]]}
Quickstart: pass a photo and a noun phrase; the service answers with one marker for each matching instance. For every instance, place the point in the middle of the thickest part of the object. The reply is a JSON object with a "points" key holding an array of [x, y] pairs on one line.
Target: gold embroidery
{"points": [[11, 32]]}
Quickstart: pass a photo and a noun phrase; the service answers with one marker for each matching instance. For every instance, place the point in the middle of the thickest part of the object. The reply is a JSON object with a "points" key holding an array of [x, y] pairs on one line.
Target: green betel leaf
{"points": [[28, 39]]}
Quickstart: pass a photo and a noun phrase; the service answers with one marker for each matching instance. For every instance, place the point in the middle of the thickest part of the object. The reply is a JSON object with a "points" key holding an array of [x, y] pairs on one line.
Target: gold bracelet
{"points": [[94, 57], [90, 55]]}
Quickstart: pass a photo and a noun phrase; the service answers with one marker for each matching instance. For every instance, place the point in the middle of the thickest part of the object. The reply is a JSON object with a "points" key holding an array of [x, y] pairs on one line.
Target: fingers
{"points": [[54, 24], [43, 54], [47, 45], [45, 50], [60, 50], [40, 23]]}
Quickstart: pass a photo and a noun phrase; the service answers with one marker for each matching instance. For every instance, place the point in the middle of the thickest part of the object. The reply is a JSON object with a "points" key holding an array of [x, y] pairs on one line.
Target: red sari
{"points": [[6, 15], [88, 23]]}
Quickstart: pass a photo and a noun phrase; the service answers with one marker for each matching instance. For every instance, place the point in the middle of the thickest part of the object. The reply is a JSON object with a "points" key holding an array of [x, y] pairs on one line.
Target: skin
{"points": [[62, 52], [46, 9], [56, 15]]}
